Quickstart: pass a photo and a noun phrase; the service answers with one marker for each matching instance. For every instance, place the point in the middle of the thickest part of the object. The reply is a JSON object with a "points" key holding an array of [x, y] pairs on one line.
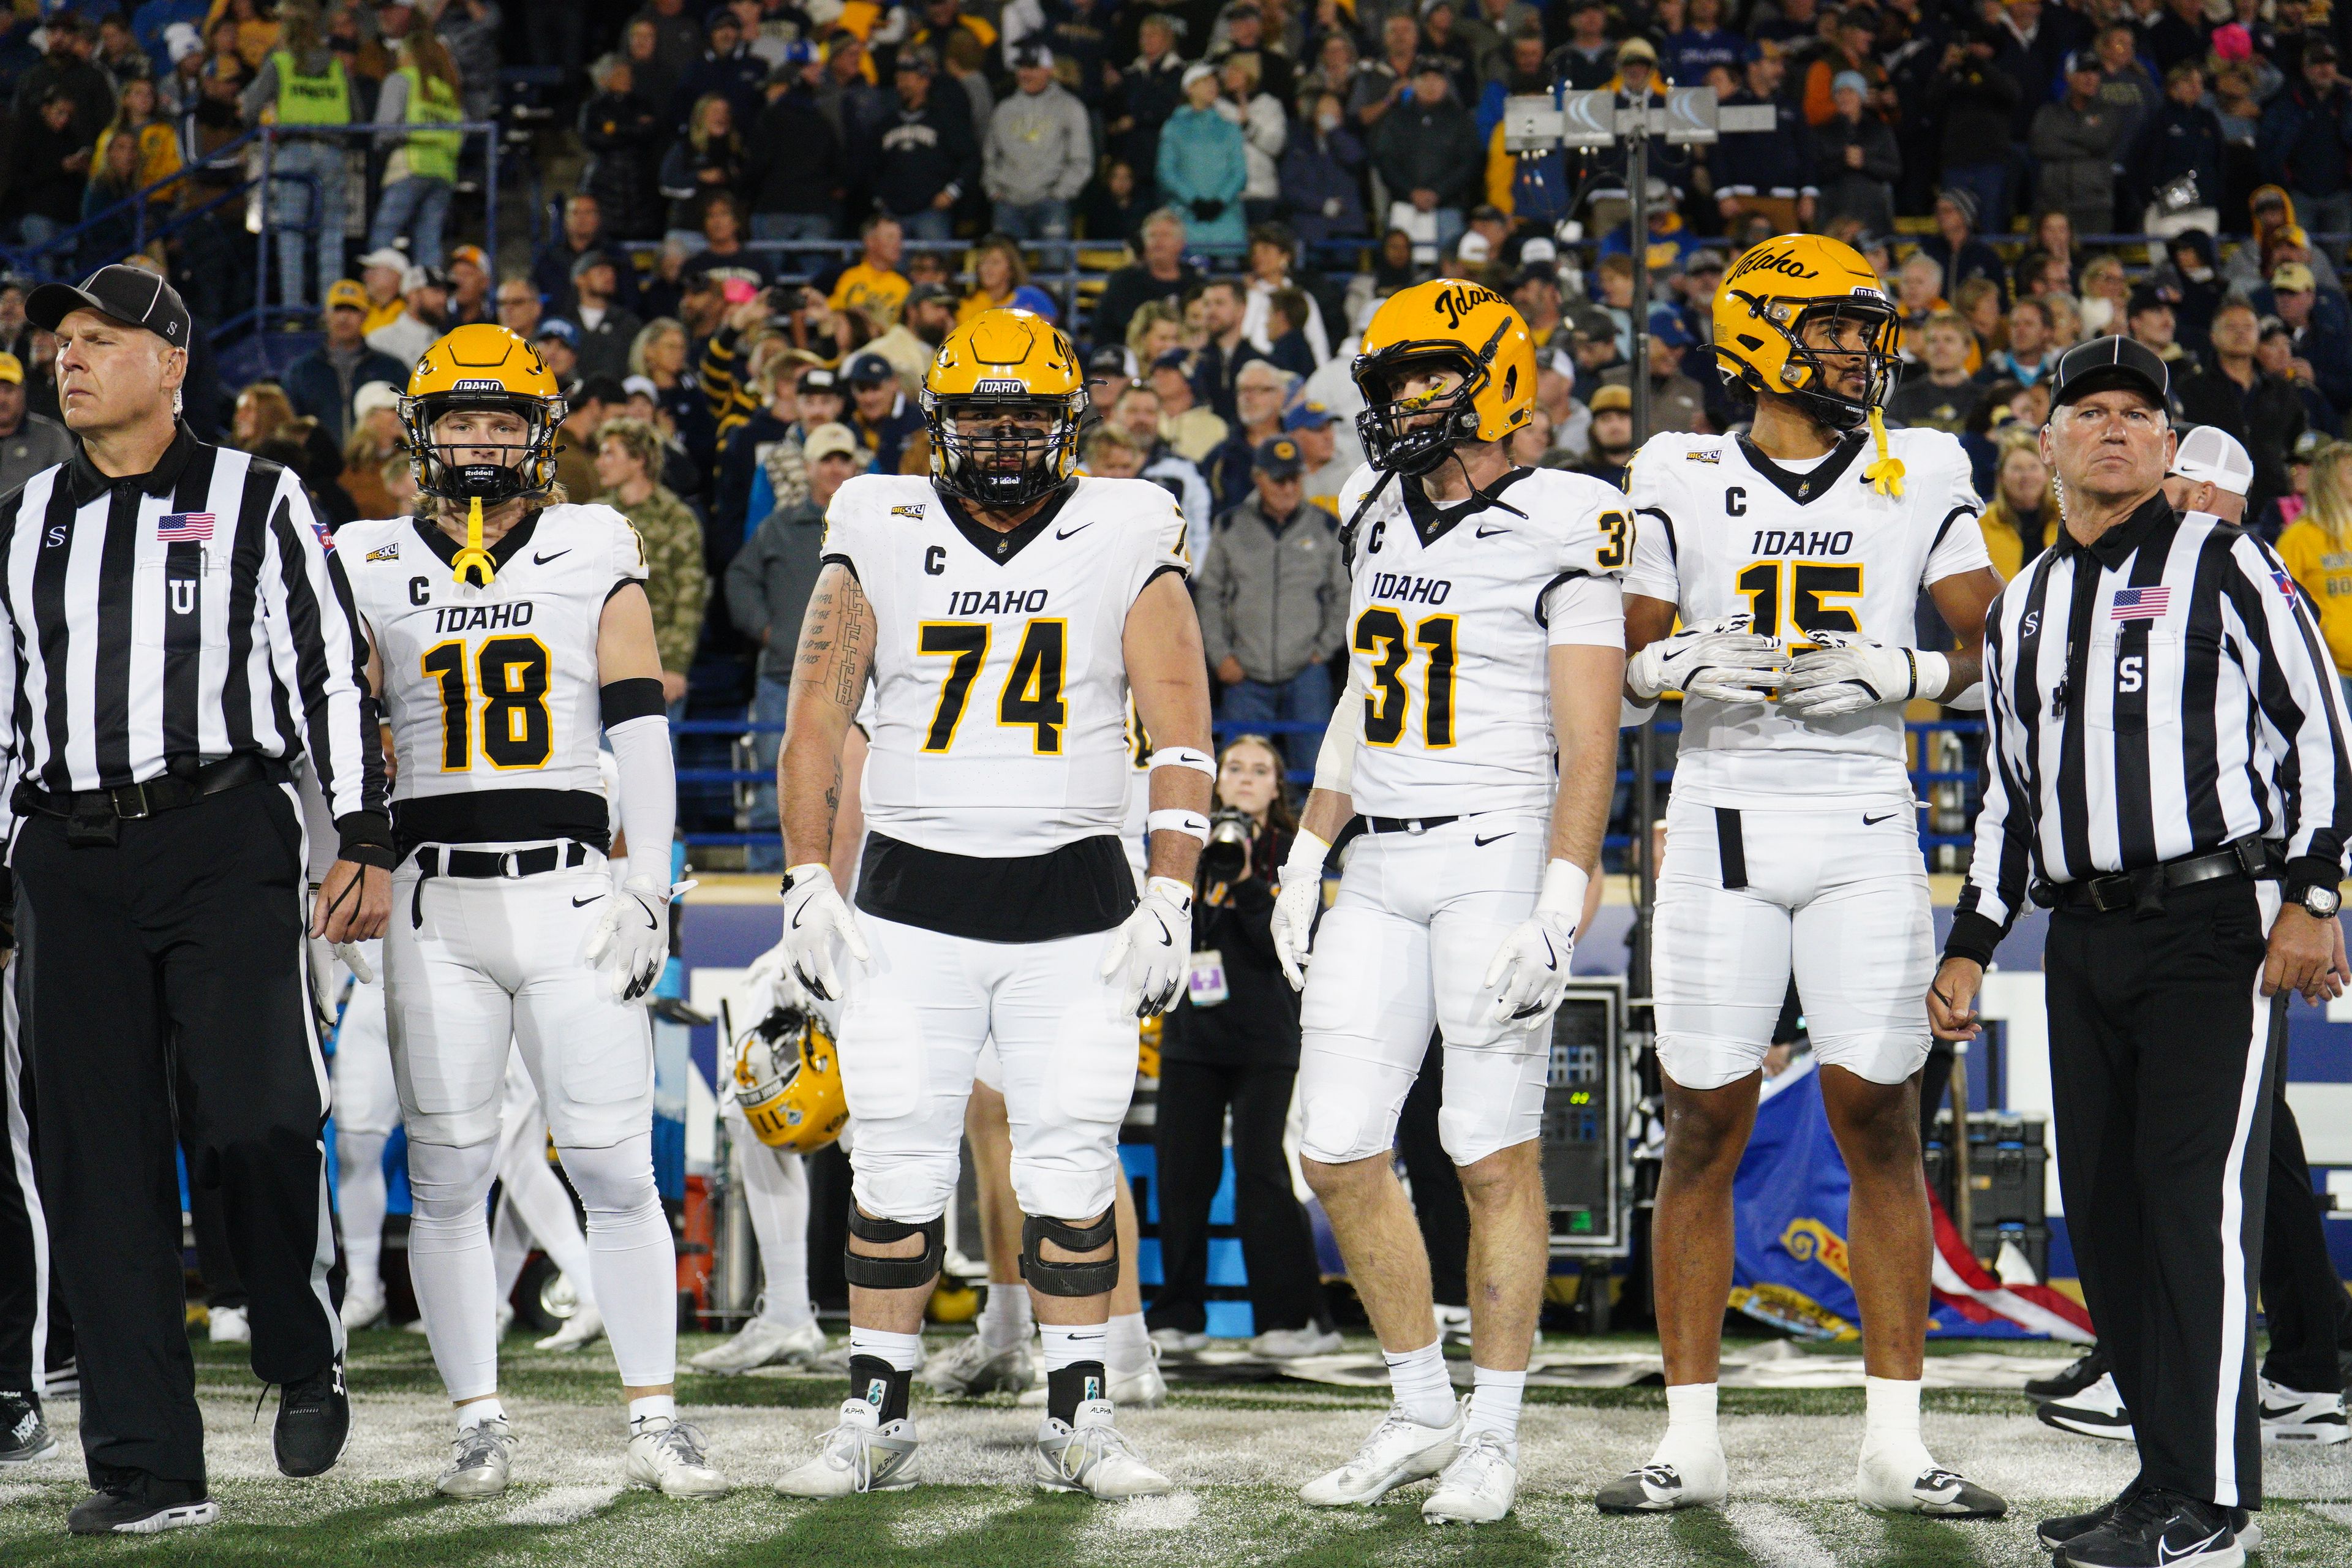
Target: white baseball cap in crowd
{"points": [[375, 395], [2211, 455]]}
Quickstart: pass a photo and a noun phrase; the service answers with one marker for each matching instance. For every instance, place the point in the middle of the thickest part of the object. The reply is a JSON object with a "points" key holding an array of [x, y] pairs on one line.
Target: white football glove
{"points": [[1725, 662], [630, 940], [814, 915], [1151, 948], [1531, 966], [1848, 673], [1301, 895]]}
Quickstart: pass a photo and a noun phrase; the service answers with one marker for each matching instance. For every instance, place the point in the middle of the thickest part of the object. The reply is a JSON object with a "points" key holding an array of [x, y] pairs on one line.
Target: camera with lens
{"points": [[1227, 854]]}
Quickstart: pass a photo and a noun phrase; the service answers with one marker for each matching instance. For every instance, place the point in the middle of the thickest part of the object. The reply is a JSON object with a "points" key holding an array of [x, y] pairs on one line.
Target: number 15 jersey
{"points": [[1449, 631]]}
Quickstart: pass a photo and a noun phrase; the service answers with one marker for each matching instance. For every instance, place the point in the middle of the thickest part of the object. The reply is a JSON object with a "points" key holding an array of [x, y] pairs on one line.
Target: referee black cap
{"points": [[131, 295], [2104, 363]]}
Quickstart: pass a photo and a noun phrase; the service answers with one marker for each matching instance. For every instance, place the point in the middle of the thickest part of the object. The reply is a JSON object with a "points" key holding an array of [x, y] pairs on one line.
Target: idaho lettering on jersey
{"points": [[1798, 542], [481, 617], [1404, 588], [998, 601]]}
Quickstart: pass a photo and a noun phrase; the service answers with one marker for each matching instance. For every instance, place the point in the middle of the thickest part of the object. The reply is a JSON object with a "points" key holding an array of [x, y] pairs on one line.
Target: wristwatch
{"points": [[2319, 900]]}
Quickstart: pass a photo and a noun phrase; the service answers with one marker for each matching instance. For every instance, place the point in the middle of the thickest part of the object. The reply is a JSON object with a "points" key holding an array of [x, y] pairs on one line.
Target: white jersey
{"points": [[1000, 675], [1806, 546], [1448, 632], [493, 693]]}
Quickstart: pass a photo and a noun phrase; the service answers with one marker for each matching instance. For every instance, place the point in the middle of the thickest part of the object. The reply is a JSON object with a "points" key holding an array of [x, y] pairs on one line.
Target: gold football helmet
{"points": [[1772, 293], [788, 1082], [1446, 323], [1003, 401], [483, 366]]}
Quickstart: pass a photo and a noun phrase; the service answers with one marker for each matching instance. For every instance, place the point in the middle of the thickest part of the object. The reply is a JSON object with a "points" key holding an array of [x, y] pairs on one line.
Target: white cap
{"points": [[1198, 70], [375, 395], [2211, 455], [642, 383], [1473, 248]]}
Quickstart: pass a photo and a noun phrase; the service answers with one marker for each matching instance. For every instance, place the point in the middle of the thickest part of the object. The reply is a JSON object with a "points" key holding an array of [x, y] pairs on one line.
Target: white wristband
{"points": [[1931, 672], [1174, 819], [1564, 884], [1191, 757]]}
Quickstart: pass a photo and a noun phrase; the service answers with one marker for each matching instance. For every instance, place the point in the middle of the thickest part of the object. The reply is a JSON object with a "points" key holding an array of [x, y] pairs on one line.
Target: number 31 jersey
{"points": [[492, 692], [1723, 529], [1000, 667], [1449, 635]]}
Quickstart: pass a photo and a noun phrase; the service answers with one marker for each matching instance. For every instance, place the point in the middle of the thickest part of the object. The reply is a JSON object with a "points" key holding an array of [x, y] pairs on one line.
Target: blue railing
{"points": [[1947, 795]]}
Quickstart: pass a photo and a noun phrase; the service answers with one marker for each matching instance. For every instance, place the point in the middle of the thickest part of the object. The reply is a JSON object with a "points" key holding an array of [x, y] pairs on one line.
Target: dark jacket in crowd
{"points": [[2180, 141], [39, 182], [770, 579], [1865, 193], [322, 388], [2266, 417], [2076, 149], [1322, 179], [1148, 97], [1257, 1024], [624, 135], [918, 152], [1760, 162], [735, 77], [1973, 258], [1978, 101], [2304, 138], [1130, 289], [1422, 146], [1080, 33], [794, 163]]}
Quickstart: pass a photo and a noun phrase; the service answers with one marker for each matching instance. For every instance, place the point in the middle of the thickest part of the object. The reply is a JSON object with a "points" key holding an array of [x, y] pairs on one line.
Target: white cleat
{"points": [[968, 1368], [1701, 1480], [228, 1326], [1294, 1345], [1140, 1389], [1179, 1341], [480, 1459], [762, 1344], [1452, 1324], [2290, 1416], [1477, 1487], [1089, 1456], [586, 1326], [1401, 1450], [666, 1456], [2098, 1412], [861, 1455], [363, 1309], [1894, 1483]]}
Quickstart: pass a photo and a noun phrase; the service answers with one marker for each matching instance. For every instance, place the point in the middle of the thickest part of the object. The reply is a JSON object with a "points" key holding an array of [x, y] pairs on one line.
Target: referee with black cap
{"points": [[173, 635], [2166, 769]]}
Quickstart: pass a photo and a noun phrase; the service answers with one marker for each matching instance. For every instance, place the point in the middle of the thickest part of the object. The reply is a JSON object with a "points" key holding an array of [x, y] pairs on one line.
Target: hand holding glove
{"points": [[1725, 662], [814, 915], [1151, 948], [1847, 673], [630, 940], [1531, 966]]}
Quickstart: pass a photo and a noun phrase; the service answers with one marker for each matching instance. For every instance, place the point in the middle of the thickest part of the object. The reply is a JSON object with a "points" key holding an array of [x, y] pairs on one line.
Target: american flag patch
{"points": [[2285, 583], [326, 535], [183, 527], [2139, 603]]}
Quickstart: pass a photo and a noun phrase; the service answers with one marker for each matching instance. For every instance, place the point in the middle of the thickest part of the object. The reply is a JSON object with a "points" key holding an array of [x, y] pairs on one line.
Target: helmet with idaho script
{"points": [[483, 366], [788, 1082], [1443, 324], [1777, 288], [1003, 401]]}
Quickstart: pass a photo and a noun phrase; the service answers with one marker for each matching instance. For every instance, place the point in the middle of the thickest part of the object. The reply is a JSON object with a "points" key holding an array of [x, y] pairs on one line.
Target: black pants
{"points": [[23, 1234], [1438, 1205], [2161, 1053], [2309, 1314], [1278, 1247], [165, 995]]}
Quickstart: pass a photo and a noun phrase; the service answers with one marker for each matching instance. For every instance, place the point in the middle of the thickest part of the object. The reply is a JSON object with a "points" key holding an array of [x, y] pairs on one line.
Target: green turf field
{"points": [[1238, 1452]]}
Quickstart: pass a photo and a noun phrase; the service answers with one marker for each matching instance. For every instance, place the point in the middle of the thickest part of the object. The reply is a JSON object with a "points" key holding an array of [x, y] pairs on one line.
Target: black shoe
{"points": [[2160, 1528], [2057, 1532], [2079, 1374], [136, 1503], [25, 1438], [314, 1422]]}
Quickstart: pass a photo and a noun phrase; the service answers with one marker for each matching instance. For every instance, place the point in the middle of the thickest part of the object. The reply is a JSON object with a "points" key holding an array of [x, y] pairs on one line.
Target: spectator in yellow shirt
{"points": [[874, 287], [2022, 521], [2317, 550]]}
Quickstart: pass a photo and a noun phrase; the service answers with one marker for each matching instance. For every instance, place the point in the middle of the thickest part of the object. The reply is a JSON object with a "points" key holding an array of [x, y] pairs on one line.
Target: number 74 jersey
{"points": [[1450, 626]]}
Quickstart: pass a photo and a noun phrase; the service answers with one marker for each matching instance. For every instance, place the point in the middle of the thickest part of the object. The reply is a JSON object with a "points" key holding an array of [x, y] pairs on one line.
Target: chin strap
{"points": [[1886, 474], [474, 558]]}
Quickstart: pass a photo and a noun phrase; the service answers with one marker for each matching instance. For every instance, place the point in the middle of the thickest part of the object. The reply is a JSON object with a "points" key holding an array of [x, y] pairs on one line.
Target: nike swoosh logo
{"points": [[578, 903], [2282, 1412], [1490, 533], [1482, 843], [2164, 1553], [1870, 821], [538, 560], [1066, 532]]}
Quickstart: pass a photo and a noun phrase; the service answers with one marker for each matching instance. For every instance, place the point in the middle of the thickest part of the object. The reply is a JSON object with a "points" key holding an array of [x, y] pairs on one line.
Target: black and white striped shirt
{"points": [[2156, 694], [187, 614]]}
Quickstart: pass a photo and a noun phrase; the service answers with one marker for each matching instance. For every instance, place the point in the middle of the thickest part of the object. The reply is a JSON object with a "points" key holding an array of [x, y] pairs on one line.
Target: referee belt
{"points": [[95, 813], [2252, 859]]}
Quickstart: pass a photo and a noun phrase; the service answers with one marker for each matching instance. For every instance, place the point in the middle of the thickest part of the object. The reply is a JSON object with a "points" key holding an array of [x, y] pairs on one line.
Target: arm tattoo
{"points": [[856, 625]]}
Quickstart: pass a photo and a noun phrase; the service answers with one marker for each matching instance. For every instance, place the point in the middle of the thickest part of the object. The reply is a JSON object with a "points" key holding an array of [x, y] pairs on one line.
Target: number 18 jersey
{"points": [[1723, 529], [1448, 632]]}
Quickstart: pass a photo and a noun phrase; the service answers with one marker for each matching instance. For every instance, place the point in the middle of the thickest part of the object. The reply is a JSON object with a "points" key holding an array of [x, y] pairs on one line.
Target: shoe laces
{"points": [[850, 1447], [475, 1446], [1480, 1452], [1091, 1445], [683, 1442], [1663, 1476]]}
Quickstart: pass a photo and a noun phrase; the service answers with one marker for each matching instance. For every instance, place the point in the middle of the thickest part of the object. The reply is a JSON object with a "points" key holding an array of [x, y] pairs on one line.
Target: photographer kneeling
{"points": [[1233, 1041]]}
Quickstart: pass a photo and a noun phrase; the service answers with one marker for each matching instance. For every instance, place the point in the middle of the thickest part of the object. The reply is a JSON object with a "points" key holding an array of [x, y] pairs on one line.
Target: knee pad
{"points": [[616, 1180], [893, 1273], [1095, 1276]]}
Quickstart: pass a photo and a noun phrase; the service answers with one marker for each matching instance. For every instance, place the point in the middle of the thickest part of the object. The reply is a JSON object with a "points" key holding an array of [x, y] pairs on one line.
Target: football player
{"points": [[1005, 609], [1792, 838], [1477, 739], [509, 629]]}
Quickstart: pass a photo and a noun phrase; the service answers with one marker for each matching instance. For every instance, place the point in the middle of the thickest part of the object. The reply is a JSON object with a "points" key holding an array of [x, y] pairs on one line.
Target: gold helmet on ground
{"points": [[788, 1082], [483, 366], [1446, 325], [1003, 401], [1768, 299]]}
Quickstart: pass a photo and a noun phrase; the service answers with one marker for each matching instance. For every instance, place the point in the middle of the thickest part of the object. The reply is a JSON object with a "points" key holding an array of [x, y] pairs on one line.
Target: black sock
{"points": [[879, 1382], [1070, 1386]]}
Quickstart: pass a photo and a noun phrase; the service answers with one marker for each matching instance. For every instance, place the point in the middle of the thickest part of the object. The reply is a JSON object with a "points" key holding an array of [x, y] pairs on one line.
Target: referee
{"points": [[2166, 769], [173, 636]]}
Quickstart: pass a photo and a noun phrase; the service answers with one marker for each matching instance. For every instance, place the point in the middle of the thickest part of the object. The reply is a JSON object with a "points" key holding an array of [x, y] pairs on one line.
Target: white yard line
{"points": [[563, 1505], [1776, 1538]]}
